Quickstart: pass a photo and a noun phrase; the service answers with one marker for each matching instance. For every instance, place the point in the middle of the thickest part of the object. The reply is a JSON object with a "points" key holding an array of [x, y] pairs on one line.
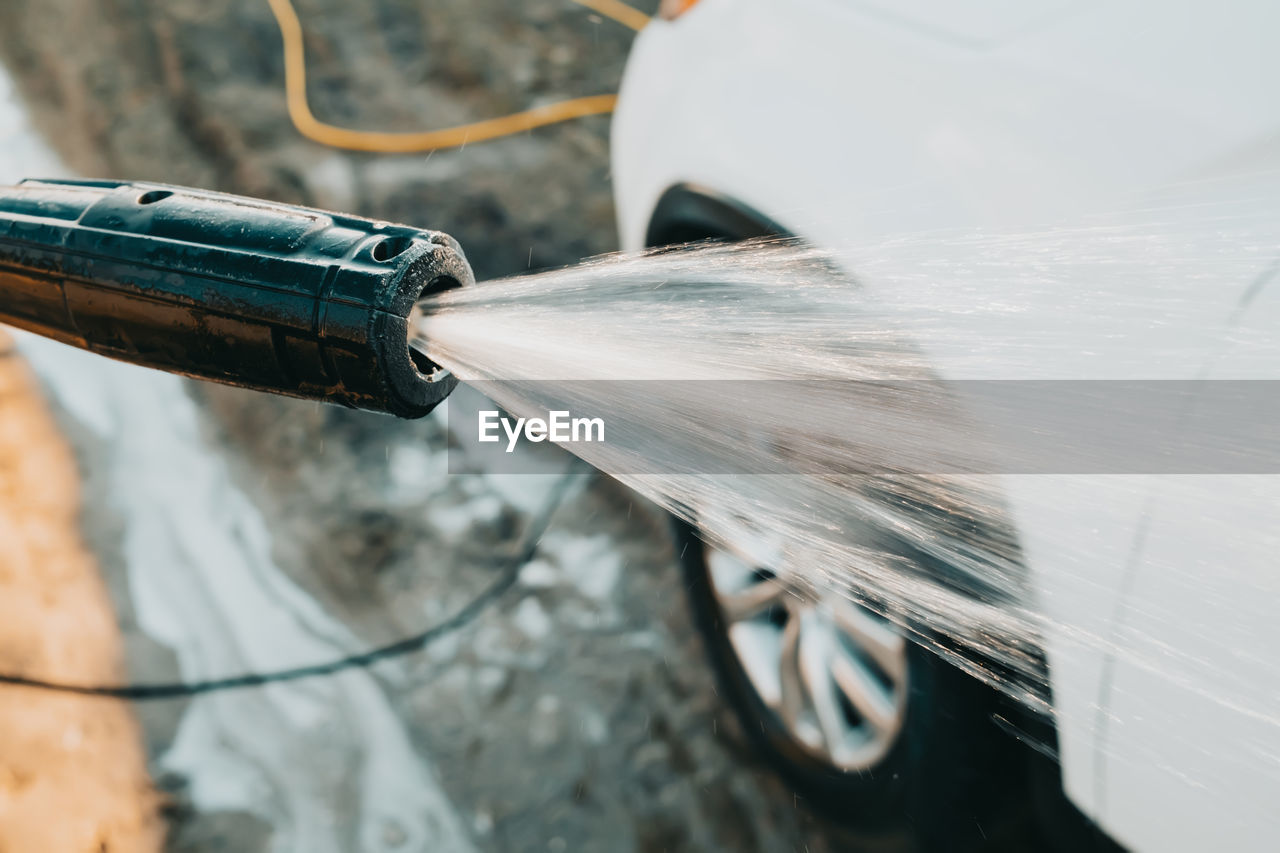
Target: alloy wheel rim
{"points": [[834, 674]]}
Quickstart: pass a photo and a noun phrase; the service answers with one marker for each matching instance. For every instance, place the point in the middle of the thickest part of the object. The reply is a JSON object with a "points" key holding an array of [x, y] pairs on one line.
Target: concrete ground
{"points": [[56, 619], [237, 531]]}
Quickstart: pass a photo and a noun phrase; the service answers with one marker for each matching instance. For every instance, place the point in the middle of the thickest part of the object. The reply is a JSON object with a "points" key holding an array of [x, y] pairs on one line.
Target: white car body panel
{"points": [[846, 121], [1207, 590]]}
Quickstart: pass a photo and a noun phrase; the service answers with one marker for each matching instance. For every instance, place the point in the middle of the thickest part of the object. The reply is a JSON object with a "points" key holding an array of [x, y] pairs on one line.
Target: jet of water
{"points": [[890, 430]]}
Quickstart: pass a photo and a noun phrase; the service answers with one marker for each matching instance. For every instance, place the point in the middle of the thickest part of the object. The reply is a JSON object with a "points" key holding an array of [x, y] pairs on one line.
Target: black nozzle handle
{"points": [[244, 292]]}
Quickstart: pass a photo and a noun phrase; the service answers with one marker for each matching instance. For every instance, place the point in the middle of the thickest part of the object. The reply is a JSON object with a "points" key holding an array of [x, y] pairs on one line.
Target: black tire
{"points": [[952, 781]]}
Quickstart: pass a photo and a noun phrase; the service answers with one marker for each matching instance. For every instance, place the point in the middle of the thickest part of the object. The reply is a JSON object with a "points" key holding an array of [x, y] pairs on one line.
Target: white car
{"points": [[844, 122]]}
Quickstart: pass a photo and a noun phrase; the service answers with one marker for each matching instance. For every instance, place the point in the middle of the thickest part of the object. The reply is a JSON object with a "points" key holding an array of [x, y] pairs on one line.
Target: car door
{"points": [[1189, 737]]}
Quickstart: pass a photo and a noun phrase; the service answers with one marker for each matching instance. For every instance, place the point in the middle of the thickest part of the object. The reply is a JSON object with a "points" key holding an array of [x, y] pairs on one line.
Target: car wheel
{"points": [[918, 762], [863, 724]]}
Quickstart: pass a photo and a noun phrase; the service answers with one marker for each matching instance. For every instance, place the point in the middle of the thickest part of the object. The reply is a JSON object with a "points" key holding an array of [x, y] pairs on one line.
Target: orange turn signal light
{"points": [[669, 10]]}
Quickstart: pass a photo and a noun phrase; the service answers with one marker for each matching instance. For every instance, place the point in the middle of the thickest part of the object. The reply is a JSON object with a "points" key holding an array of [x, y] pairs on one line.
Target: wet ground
{"points": [[239, 531]]}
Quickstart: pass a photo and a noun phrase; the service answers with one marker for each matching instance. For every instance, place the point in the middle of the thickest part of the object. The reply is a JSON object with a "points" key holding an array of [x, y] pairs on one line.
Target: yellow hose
{"points": [[295, 82], [618, 11]]}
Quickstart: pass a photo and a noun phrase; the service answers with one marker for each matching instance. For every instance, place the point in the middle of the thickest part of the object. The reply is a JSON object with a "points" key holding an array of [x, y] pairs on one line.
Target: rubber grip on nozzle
{"points": [[250, 293]]}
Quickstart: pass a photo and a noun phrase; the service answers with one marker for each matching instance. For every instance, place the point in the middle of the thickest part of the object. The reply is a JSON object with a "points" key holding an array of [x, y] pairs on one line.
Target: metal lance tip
{"points": [[267, 296]]}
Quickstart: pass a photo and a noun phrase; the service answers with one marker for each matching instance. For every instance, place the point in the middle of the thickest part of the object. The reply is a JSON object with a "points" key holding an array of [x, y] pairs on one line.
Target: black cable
{"points": [[141, 692]]}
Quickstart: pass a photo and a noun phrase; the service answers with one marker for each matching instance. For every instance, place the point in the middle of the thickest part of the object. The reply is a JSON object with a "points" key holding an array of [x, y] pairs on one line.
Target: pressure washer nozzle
{"points": [[244, 292]]}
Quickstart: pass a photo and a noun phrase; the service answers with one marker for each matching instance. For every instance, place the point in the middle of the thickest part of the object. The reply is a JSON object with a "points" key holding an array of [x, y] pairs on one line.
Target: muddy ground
{"points": [[577, 712]]}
